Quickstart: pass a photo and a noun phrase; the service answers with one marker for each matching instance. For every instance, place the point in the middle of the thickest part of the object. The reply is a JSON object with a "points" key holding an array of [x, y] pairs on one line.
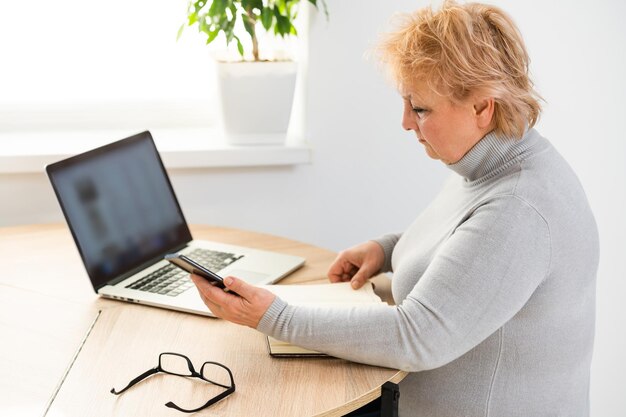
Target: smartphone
{"points": [[193, 267]]}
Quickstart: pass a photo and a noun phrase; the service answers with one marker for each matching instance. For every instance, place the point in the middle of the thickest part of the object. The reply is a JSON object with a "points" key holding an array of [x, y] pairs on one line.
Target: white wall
{"points": [[369, 177]]}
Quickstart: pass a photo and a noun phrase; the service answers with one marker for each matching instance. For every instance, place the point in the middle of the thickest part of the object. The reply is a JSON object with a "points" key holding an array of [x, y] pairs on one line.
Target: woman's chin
{"points": [[430, 152]]}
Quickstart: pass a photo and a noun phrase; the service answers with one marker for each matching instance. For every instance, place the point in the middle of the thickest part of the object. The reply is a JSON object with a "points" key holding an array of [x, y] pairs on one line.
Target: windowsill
{"points": [[180, 148]]}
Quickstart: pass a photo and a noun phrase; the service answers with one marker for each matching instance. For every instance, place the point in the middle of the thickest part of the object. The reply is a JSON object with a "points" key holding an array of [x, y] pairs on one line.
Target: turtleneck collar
{"points": [[492, 154]]}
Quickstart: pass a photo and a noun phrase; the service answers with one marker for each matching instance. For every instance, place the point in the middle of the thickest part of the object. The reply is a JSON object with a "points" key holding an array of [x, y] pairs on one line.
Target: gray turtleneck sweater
{"points": [[494, 285]]}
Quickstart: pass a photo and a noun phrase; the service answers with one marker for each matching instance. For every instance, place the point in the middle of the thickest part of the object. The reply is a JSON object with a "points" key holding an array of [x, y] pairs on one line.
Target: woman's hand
{"points": [[247, 309], [357, 264]]}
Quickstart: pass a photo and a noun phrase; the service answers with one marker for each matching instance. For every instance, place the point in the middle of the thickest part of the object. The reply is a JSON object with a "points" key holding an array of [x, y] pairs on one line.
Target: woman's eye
{"points": [[419, 111]]}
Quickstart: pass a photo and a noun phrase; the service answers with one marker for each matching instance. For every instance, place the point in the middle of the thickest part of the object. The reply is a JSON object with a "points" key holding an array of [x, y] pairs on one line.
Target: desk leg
{"points": [[390, 396]]}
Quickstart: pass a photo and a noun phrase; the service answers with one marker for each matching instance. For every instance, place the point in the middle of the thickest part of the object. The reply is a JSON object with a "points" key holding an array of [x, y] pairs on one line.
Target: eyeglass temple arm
{"points": [[210, 402], [134, 381]]}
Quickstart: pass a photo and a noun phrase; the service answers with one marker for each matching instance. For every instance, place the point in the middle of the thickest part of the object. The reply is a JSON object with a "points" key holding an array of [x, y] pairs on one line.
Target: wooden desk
{"points": [[47, 307]]}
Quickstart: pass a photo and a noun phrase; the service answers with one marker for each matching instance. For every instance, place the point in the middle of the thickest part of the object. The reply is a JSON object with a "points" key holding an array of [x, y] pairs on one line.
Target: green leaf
{"points": [[203, 26], [223, 23], [257, 4], [198, 5], [239, 46], [248, 25], [229, 30], [218, 7], [281, 6], [180, 31], [233, 10], [290, 9], [212, 35], [193, 18], [282, 24], [267, 17]]}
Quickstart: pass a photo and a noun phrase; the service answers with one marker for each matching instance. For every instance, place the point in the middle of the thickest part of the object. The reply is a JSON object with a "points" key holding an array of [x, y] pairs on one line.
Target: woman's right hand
{"points": [[357, 264]]}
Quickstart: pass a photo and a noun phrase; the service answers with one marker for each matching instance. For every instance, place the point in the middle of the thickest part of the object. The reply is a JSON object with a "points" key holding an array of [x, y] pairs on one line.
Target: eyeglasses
{"points": [[180, 365]]}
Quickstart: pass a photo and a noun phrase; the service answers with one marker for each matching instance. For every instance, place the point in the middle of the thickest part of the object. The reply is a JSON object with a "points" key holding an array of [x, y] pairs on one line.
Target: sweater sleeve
{"points": [[482, 275], [388, 242]]}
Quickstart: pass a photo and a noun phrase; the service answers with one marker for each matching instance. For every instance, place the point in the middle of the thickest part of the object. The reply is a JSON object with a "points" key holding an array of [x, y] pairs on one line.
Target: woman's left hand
{"points": [[247, 309]]}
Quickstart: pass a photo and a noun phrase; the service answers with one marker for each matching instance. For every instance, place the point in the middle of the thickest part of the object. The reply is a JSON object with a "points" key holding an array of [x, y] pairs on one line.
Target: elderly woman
{"points": [[494, 283]]}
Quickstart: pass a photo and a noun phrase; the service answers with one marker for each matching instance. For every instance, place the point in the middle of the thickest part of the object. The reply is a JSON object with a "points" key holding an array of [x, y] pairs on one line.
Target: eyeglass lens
{"points": [[216, 374], [175, 364]]}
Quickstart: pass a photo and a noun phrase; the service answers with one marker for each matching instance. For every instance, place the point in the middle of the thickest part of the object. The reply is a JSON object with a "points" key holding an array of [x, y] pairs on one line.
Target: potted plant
{"points": [[256, 93]]}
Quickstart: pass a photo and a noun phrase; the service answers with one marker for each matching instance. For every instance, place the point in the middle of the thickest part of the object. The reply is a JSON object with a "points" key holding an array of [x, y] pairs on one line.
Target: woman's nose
{"points": [[408, 120]]}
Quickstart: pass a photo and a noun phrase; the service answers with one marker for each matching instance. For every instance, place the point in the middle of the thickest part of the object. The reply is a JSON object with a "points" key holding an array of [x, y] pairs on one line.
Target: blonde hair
{"points": [[464, 49]]}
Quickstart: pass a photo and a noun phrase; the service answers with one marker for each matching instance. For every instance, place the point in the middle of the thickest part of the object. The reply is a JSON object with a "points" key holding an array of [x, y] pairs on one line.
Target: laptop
{"points": [[124, 217]]}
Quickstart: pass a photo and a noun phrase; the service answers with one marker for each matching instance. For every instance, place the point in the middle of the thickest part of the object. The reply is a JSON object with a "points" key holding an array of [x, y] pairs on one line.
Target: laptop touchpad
{"points": [[248, 276]]}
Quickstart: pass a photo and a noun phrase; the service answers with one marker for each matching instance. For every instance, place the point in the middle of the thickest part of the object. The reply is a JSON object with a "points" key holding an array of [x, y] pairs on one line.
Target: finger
{"points": [[337, 278], [214, 294], [359, 279], [341, 270], [335, 271], [347, 275], [215, 309], [242, 288]]}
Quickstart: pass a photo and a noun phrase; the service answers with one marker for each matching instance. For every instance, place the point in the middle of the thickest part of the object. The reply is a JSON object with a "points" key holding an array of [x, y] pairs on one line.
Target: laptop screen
{"points": [[120, 206]]}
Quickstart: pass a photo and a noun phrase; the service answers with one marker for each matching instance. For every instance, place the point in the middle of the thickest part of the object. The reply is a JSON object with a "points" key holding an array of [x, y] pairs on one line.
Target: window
{"points": [[84, 64], [76, 74]]}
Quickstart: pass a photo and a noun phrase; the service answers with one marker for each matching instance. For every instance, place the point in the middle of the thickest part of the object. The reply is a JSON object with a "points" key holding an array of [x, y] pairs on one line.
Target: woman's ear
{"points": [[484, 108]]}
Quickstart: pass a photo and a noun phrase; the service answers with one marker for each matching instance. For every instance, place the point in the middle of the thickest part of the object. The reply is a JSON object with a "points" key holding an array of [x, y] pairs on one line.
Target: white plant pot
{"points": [[256, 99]]}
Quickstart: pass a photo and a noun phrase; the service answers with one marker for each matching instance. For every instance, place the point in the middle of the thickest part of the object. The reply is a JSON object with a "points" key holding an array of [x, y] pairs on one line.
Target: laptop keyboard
{"points": [[171, 280]]}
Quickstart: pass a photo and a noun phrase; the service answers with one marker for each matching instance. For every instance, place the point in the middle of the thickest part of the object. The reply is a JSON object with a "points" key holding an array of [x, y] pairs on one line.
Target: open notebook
{"points": [[340, 294]]}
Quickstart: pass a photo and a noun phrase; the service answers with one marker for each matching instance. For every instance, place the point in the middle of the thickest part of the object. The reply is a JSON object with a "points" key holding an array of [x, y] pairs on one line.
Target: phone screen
{"points": [[193, 267]]}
